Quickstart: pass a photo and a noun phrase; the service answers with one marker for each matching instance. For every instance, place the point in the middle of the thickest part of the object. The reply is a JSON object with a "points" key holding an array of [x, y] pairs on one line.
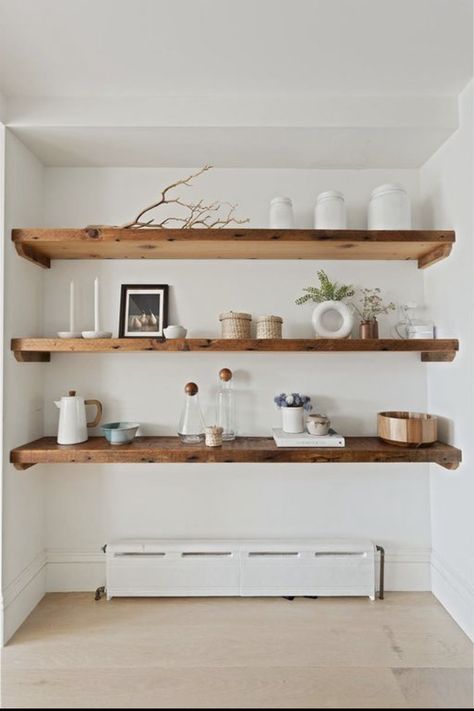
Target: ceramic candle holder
{"points": [[318, 425]]}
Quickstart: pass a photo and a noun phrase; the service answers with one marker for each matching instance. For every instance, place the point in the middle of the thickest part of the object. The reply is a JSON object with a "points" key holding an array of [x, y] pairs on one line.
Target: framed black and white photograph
{"points": [[143, 310]]}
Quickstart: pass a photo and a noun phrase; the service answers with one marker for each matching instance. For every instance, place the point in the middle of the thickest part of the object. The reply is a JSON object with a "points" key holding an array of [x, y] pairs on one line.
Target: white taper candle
{"points": [[71, 307], [96, 304]]}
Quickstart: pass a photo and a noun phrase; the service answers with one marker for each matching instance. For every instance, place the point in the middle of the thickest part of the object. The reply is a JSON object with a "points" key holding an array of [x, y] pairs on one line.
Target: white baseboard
{"points": [[83, 569], [21, 596], [74, 569], [454, 593], [408, 569]]}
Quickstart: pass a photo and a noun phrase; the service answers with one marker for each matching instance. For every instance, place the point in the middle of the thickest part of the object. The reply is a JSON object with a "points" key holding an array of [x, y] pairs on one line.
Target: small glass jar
{"points": [[389, 208], [191, 424], [281, 214], [330, 211]]}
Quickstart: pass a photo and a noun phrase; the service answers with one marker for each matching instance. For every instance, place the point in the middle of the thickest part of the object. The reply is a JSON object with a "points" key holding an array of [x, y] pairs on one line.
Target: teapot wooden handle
{"points": [[97, 419]]}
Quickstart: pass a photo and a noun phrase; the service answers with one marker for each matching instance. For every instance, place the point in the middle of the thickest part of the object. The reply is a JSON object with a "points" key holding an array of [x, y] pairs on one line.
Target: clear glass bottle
{"points": [[226, 406], [191, 426]]}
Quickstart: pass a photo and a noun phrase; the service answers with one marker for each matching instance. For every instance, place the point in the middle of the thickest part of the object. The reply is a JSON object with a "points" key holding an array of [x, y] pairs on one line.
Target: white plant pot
{"points": [[292, 419], [341, 314]]}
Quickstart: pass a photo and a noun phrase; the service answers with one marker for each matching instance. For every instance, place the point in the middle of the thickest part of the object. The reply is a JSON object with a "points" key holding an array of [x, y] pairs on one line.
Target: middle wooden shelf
{"points": [[40, 349]]}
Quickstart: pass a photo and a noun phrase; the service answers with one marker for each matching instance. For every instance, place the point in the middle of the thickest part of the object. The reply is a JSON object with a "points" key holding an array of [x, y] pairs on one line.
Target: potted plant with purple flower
{"points": [[293, 406]]}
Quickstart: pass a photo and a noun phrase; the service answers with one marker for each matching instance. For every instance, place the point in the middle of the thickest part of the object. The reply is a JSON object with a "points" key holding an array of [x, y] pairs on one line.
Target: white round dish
{"points": [[97, 334], [69, 334]]}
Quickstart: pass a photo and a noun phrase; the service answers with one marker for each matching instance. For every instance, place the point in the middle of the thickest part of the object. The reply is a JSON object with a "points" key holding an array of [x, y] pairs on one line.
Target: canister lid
{"points": [[275, 319], [235, 314], [388, 188], [330, 195], [281, 199]]}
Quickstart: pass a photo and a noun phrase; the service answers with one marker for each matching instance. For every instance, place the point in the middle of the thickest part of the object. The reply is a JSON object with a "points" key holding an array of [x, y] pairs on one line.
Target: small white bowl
{"points": [[175, 331]]}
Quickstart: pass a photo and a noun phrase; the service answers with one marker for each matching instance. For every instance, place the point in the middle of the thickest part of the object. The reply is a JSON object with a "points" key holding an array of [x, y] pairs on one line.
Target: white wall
{"points": [[89, 505], [23, 500], [447, 187]]}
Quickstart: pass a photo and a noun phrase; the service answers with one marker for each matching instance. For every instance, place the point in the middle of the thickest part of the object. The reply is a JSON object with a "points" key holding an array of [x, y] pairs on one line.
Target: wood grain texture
{"points": [[403, 428], [158, 450], [42, 245], [402, 652], [31, 349]]}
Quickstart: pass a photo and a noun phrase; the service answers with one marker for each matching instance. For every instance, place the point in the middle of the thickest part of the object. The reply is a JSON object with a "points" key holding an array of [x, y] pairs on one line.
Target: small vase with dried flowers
{"points": [[370, 306]]}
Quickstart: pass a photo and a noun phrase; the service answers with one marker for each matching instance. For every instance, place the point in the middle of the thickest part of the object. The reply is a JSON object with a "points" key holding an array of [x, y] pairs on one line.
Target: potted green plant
{"points": [[370, 306], [329, 297]]}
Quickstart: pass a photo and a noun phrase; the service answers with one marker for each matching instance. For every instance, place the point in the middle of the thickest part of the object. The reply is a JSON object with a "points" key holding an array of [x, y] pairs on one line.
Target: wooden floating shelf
{"points": [[42, 245], [40, 349], [168, 450]]}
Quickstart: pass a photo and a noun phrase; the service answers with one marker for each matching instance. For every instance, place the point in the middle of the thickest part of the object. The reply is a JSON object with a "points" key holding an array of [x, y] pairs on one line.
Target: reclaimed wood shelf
{"points": [[42, 245], [157, 450], [40, 349]]}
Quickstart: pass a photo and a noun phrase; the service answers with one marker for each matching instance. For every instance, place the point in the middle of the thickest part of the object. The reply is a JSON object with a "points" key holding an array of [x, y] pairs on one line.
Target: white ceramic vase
{"points": [[337, 312], [292, 419]]}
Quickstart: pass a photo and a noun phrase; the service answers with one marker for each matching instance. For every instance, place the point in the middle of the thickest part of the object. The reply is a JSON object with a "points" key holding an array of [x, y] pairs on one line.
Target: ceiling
{"points": [[235, 83], [233, 147], [137, 48]]}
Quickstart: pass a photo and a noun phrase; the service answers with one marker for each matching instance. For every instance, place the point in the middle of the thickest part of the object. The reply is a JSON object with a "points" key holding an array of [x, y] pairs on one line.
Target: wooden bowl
{"points": [[407, 429]]}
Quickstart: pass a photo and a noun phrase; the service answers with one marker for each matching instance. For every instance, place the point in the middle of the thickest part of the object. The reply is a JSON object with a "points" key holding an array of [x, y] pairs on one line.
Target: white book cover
{"points": [[304, 439]]}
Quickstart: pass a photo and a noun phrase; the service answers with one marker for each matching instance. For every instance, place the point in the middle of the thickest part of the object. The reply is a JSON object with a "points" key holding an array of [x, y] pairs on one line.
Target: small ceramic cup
{"points": [[175, 331], [318, 425]]}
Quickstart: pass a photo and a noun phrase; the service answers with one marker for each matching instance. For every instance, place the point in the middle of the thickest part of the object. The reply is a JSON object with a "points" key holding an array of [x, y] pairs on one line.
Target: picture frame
{"points": [[143, 310]]}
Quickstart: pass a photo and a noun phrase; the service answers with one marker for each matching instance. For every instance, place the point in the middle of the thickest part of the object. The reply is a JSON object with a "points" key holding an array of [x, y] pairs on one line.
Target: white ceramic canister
{"points": [[330, 211], [281, 214], [389, 208], [292, 419]]}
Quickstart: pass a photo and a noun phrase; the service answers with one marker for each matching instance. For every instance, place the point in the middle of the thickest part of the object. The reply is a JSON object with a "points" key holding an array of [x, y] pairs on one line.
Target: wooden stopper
{"points": [[72, 393], [191, 389], [225, 374]]}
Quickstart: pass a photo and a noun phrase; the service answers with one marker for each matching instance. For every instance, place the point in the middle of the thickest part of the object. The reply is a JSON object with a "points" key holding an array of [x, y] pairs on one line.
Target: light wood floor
{"points": [[403, 652]]}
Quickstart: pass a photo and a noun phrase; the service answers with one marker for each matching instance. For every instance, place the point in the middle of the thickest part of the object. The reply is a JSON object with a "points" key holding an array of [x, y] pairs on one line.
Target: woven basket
{"points": [[235, 324], [214, 436], [269, 326]]}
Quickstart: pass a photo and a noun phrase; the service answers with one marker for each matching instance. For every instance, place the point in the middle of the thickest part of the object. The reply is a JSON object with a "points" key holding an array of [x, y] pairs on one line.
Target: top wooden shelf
{"points": [[42, 245]]}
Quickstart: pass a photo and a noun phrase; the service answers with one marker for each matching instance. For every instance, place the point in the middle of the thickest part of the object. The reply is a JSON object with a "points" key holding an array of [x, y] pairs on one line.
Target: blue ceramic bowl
{"points": [[120, 432]]}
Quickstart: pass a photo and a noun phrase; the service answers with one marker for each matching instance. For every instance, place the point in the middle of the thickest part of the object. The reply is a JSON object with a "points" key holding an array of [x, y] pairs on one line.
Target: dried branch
{"points": [[200, 213]]}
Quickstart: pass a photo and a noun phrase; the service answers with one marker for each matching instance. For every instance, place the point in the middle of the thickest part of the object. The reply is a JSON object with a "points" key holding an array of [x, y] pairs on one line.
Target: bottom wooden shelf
{"points": [[157, 450]]}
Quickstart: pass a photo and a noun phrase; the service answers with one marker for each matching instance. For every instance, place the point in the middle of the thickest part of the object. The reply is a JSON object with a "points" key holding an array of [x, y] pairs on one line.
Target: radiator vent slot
{"points": [[333, 554], [268, 554], [137, 554], [208, 554]]}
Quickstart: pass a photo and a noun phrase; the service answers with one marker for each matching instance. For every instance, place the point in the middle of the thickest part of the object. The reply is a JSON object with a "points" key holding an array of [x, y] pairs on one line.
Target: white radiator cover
{"points": [[180, 567]]}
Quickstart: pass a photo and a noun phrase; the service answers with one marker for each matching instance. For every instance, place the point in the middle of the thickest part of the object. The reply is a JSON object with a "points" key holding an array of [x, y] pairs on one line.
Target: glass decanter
{"points": [[191, 423], [226, 406]]}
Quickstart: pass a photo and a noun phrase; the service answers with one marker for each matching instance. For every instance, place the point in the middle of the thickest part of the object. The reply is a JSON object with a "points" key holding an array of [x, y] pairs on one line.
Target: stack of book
{"points": [[303, 439]]}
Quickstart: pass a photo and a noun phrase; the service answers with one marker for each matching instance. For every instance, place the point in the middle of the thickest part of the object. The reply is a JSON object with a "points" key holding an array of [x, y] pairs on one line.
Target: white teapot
{"points": [[72, 418]]}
